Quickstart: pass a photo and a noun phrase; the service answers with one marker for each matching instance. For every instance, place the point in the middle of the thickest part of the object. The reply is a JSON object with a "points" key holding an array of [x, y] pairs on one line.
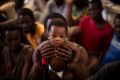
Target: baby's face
{"points": [[57, 36]]}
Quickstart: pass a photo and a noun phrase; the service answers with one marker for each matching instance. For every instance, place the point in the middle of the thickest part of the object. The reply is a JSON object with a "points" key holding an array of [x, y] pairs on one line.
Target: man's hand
{"points": [[62, 53], [47, 51]]}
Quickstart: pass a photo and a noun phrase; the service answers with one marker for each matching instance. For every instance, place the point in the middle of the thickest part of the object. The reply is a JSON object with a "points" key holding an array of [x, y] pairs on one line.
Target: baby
{"points": [[57, 52]]}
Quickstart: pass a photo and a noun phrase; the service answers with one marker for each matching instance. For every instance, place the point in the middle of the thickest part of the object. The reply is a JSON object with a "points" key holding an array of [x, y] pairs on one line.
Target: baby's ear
{"points": [[48, 38], [66, 39]]}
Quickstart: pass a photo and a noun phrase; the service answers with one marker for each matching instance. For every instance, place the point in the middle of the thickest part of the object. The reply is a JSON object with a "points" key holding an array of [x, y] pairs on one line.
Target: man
{"points": [[113, 53], [93, 33], [17, 56], [31, 31]]}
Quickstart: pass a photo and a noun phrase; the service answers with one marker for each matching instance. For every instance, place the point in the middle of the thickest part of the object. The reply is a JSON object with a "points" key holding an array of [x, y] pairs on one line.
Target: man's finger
{"points": [[62, 58], [46, 50], [47, 53], [45, 46]]}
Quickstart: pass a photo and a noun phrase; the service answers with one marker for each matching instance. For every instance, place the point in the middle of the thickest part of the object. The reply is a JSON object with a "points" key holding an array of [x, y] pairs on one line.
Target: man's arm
{"points": [[111, 6], [68, 11], [76, 35], [28, 63]]}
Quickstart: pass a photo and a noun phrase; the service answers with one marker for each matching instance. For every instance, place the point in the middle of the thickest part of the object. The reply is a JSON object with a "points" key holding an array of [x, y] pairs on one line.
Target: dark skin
{"points": [[57, 56], [80, 4], [55, 43], [95, 13], [28, 27], [27, 24], [18, 5], [12, 39]]}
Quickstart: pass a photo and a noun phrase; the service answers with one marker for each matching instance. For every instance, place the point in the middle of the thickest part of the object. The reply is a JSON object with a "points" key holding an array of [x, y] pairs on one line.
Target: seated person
{"points": [[110, 71], [37, 6], [52, 6], [94, 34], [17, 56], [30, 29], [113, 53], [11, 9], [75, 10], [59, 54]]}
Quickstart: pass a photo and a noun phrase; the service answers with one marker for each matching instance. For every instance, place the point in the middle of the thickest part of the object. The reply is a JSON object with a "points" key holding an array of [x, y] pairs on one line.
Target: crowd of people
{"points": [[58, 40]]}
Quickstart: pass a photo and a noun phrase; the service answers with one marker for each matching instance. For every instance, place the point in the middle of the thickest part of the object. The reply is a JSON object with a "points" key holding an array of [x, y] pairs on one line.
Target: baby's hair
{"points": [[58, 23], [26, 11], [53, 16]]}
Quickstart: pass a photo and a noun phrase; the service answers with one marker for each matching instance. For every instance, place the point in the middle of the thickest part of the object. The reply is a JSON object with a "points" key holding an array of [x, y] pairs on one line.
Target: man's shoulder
{"points": [[72, 45], [27, 49]]}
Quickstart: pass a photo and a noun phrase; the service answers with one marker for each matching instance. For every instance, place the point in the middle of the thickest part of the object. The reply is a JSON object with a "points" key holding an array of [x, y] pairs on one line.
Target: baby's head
{"points": [[57, 32]]}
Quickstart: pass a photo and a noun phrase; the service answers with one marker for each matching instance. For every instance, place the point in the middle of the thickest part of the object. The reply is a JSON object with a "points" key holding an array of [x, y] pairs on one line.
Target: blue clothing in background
{"points": [[113, 54]]}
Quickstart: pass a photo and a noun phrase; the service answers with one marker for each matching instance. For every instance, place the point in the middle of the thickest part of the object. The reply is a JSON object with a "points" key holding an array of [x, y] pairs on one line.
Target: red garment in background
{"points": [[95, 39]]}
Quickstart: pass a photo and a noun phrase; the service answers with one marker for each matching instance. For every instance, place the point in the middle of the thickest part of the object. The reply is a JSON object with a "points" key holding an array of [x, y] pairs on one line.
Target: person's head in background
{"points": [[18, 4], [53, 17], [37, 4], [12, 36], [80, 4], [57, 32], [59, 2], [117, 25], [26, 21], [95, 9]]}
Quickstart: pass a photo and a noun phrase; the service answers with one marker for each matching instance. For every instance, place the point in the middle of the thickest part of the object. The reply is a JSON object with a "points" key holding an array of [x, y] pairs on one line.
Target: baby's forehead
{"points": [[58, 30]]}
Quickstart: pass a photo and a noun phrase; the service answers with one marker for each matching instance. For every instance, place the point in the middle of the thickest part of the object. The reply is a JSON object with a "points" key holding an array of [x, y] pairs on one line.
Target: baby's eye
{"points": [[53, 35], [62, 36]]}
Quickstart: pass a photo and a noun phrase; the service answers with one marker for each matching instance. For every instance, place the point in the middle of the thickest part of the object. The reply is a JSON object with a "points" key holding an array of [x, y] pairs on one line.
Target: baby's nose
{"points": [[58, 38]]}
